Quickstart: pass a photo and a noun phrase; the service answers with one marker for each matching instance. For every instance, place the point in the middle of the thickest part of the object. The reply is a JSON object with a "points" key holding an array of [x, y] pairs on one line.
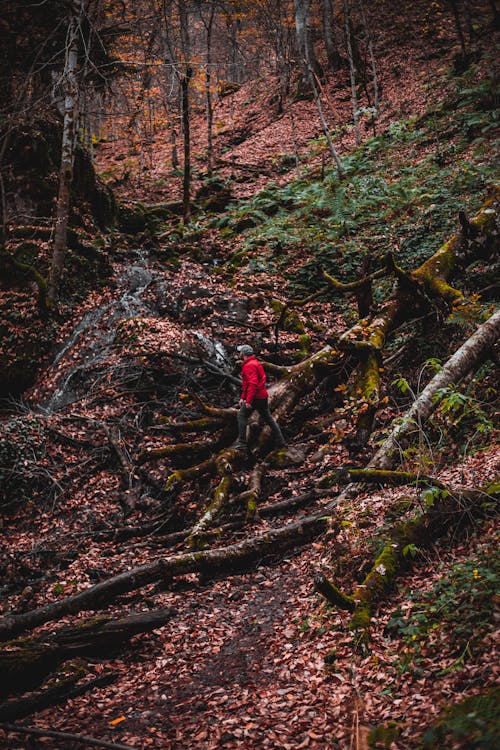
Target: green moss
{"points": [[291, 321], [360, 621], [434, 272], [305, 345], [173, 480], [251, 506]]}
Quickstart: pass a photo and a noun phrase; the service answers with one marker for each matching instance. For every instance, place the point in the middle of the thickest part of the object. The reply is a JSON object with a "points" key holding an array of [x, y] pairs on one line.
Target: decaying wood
{"points": [[219, 561], [219, 500], [16, 709], [415, 291], [380, 476], [25, 663], [185, 450], [466, 358], [251, 496]]}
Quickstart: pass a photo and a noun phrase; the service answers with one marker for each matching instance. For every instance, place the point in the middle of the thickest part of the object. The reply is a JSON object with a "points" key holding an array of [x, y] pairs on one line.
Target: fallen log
{"points": [[266, 511], [222, 560], [25, 663], [13, 710], [465, 359], [379, 476]]}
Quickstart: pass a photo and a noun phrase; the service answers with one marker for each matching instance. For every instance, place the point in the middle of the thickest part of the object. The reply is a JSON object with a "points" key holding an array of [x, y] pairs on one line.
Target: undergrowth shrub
{"points": [[446, 624]]}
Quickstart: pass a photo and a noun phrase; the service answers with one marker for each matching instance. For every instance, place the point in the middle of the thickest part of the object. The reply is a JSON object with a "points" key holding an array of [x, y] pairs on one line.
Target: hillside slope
{"points": [[122, 490]]}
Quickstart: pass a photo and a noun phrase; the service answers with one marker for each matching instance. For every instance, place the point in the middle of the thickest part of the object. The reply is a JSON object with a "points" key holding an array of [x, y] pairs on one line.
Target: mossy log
{"points": [[252, 495], [415, 292], [452, 507], [220, 499], [177, 478], [380, 476], [25, 663], [222, 560], [195, 425], [184, 450], [476, 242]]}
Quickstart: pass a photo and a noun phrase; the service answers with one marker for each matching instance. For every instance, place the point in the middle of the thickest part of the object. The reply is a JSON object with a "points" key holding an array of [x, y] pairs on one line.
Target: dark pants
{"points": [[262, 406]]}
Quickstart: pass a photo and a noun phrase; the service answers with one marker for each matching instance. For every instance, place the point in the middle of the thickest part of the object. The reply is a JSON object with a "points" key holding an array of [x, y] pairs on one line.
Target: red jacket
{"points": [[254, 380]]}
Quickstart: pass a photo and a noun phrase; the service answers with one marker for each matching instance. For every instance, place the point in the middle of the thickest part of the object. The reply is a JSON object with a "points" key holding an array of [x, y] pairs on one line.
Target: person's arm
{"points": [[252, 384]]}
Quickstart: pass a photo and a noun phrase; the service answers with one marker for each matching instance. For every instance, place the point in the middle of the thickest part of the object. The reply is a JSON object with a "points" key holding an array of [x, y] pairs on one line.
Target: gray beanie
{"points": [[245, 349]]}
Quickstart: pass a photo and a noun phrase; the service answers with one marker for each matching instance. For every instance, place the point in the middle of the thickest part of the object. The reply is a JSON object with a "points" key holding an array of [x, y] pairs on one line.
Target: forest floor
{"points": [[254, 659]]}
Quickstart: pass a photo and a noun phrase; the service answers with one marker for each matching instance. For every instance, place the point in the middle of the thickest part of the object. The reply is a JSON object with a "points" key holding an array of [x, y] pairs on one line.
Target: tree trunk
{"points": [[371, 53], [332, 53], [324, 124], [352, 70], [186, 125], [67, 150], [208, 91], [458, 26], [304, 46]]}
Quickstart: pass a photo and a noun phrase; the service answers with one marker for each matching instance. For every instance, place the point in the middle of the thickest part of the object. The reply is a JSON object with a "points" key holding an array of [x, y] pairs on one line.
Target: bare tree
{"points": [[352, 69], [185, 81], [371, 54], [332, 54], [70, 86], [304, 42], [208, 22]]}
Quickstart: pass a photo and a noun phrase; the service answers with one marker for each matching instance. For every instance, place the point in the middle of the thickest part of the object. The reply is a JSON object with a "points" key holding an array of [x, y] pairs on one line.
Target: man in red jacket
{"points": [[254, 396]]}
